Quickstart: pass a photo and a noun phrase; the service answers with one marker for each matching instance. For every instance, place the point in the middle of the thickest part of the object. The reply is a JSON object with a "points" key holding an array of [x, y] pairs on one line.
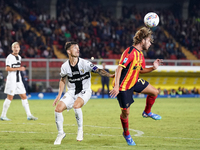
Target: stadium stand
{"points": [[99, 32]]}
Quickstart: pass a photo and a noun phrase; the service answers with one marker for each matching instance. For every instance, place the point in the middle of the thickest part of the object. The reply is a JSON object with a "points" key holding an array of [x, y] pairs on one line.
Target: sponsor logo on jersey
{"points": [[75, 72], [16, 65], [81, 78]]}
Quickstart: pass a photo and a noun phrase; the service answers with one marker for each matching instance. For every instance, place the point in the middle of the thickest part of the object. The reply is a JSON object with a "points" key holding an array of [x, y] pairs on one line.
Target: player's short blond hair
{"points": [[141, 34], [13, 44]]}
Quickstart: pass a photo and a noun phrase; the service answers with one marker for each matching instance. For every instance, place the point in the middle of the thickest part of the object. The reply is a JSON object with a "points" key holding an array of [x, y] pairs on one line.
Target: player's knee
{"points": [[10, 97], [125, 114], [76, 106], [58, 109], [23, 96], [156, 92]]}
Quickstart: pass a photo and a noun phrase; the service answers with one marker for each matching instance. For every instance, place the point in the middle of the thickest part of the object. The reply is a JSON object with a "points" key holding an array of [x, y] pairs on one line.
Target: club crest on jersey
{"points": [[125, 60], [82, 70]]}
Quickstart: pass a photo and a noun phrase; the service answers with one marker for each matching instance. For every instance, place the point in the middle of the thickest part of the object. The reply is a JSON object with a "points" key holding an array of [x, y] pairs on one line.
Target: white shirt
{"points": [[14, 62], [78, 76]]}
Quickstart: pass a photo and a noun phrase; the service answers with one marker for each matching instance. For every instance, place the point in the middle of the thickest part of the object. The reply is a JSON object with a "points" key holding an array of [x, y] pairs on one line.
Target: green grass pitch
{"points": [[179, 128]]}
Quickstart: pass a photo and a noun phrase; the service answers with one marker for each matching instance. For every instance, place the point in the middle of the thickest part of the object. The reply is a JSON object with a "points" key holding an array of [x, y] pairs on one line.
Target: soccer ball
{"points": [[41, 95], [151, 19]]}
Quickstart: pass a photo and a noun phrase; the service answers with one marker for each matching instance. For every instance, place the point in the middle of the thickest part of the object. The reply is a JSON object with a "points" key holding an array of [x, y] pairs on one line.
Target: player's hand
{"points": [[114, 92], [56, 100], [157, 63], [112, 76]]}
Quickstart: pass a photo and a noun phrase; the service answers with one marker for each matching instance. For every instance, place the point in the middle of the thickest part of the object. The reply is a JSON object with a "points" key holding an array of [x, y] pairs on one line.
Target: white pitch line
{"points": [[102, 135], [139, 133], [181, 138]]}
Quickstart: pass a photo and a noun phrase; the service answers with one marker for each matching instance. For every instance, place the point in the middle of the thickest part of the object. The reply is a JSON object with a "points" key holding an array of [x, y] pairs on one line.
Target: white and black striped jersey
{"points": [[14, 62], [78, 76]]}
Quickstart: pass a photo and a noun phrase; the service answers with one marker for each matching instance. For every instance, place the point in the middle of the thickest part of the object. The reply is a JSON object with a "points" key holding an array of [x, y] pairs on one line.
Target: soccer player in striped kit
{"points": [[126, 81], [75, 73], [14, 84]]}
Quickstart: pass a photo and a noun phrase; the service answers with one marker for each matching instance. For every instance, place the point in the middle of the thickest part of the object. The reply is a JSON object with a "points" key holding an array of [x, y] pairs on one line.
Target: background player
{"points": [[132, 63], [14, 84], [104, 81], [75, 72]]}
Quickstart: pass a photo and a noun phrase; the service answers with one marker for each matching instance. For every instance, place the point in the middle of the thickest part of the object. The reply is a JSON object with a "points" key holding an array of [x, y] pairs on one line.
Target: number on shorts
{"points": [[142, 81]]}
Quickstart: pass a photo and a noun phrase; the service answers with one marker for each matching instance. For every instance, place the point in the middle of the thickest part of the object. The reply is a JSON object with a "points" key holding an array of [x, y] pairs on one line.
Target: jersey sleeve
{"points": [[125, 59], [90, 66], [63, 71], [8, 62]]}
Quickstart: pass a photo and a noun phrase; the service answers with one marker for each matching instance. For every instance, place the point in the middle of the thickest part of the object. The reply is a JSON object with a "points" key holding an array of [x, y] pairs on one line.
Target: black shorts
{"points": [[125, 98]]}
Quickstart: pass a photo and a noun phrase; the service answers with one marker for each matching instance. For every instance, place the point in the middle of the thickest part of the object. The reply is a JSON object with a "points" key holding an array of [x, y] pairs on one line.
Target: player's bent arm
{"points": [[104, 73], [156, 63], [8, 68], [147, 70]]}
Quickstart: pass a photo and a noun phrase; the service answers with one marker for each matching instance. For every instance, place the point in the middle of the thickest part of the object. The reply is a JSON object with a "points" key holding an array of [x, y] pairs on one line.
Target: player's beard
{"points": [[144, 47], [74, 56]]}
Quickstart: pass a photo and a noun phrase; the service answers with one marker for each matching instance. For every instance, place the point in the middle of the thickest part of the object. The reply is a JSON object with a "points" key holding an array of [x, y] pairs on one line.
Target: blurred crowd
{"points": [[186, 31], [98, 32], [179, 91], [15, 29], [164, 92]]}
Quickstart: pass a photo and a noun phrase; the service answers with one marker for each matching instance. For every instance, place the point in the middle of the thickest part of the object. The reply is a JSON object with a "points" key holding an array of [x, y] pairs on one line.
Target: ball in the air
{"points": [[151, 19]]}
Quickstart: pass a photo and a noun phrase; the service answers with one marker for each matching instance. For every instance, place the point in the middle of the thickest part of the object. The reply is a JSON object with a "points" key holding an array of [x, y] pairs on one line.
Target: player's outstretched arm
{"points": [[104, 73], [156, 63], [61, 88]]}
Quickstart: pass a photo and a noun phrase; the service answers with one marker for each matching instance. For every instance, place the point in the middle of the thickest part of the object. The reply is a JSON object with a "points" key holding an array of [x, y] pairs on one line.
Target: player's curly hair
{"points": [[141, 34]]}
